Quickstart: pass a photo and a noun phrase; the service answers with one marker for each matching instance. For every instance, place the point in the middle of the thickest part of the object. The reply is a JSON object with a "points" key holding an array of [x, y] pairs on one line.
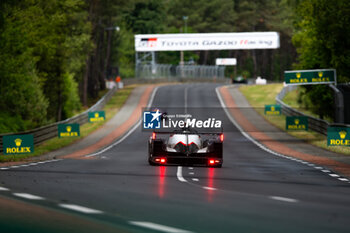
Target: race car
{"points": [[186, 146]]}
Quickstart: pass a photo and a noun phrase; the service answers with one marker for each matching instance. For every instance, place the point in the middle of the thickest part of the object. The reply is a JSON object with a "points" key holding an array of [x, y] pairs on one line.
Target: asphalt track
{"points": [[254, 191]]}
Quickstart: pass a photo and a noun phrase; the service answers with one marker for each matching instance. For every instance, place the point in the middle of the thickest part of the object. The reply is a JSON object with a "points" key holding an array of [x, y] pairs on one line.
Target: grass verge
{"points": [[111, 108], [259, 95]]}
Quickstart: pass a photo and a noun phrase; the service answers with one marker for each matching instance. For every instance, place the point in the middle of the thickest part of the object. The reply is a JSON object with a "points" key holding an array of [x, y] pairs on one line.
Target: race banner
{"points": [[97, 116], [305, 77], [338, 136], [68, 130], [18, 144], [206, 41], [226, 61], [297, 123], [272, 109]]}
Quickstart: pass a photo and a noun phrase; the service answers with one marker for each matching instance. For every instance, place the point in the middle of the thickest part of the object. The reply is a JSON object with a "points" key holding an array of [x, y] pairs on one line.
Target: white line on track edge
{"points": [[81, 209], [158, 227]]}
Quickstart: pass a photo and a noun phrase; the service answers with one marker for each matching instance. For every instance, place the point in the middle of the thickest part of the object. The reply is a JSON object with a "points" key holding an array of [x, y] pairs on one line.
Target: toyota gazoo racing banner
{"points": [[206, 41]]}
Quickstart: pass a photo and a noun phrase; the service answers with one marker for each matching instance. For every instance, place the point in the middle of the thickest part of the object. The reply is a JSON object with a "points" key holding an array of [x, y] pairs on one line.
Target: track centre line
{"points": [[128, 133], [158, 227], [179, 174]]}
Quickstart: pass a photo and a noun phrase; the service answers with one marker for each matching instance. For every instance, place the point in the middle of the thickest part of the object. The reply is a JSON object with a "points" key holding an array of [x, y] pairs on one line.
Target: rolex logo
{"points": [[96, 114], [18, 142], [342, 134], [320, 74], [298, 75], [69, 128], [296, 121], [272, 108]]}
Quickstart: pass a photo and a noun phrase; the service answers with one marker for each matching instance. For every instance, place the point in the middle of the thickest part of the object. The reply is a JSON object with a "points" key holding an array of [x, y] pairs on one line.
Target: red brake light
{"points": [[211, 161], [153, 135], [222, 137], [160, 160]]}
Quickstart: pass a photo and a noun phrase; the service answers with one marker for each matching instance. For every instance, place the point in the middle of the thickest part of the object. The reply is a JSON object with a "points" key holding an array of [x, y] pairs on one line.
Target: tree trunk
{"points": [[254, 62]]}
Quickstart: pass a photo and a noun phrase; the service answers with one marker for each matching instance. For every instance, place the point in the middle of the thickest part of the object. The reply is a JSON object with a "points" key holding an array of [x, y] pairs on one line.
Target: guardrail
{"points": [[47, 132], [315, 124]]}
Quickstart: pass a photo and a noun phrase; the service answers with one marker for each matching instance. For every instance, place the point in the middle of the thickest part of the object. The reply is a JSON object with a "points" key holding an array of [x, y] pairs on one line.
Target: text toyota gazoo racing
{"points": [[186, 146]]}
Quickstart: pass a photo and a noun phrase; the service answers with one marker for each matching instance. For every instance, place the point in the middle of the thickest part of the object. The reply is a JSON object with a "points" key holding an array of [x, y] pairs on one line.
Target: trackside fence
{"points": [[314, 123], [47, 132]]}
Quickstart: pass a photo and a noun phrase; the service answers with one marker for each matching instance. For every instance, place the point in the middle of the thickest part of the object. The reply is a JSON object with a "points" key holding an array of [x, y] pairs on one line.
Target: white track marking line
{"points": [[286, 199], [325, 170], [191, 173], [128, 133], [320, 168], [14, 167], [82, 209], [334, 175], [4, 168], [158, 227], [343, 179], [191, 168], [209, 188], [28, 196], [195, 179], [4, 189], [179, 174]]}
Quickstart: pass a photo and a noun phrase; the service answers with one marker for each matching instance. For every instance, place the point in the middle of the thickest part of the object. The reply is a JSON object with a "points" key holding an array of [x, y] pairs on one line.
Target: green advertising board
{"points": [[18, 144], [297, 123], [338, 136], [304, 77], [68, 130], [272, 109], [97, 116]]}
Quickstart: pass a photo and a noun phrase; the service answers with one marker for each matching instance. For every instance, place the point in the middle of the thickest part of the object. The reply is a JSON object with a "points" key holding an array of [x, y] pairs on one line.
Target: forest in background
{"points": [[54, 54]]}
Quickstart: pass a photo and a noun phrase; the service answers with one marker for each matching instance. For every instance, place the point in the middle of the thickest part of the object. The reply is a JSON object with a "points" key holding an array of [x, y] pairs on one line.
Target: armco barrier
{"points": [[47, 132], [315, 124]]}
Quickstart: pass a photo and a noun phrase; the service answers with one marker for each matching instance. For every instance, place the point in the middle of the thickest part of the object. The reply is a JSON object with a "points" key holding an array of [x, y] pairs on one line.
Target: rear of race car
{"points": [[186, 149]]}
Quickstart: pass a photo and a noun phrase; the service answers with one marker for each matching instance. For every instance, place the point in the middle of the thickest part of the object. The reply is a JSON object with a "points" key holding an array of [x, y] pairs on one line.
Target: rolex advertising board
{"points": [[303, 77], [272, 109], [338, 136], [296, 123], [68, 130], [18, 144], [97, 116]]}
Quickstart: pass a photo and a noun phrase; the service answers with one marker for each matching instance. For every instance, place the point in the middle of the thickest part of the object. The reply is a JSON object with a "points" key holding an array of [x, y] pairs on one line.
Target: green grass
{"points": [[259, 95], [111, 108]]}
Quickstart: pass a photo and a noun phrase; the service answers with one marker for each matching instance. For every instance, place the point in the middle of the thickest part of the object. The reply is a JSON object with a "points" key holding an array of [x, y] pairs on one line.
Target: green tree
{"points": [[322, 41]]}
